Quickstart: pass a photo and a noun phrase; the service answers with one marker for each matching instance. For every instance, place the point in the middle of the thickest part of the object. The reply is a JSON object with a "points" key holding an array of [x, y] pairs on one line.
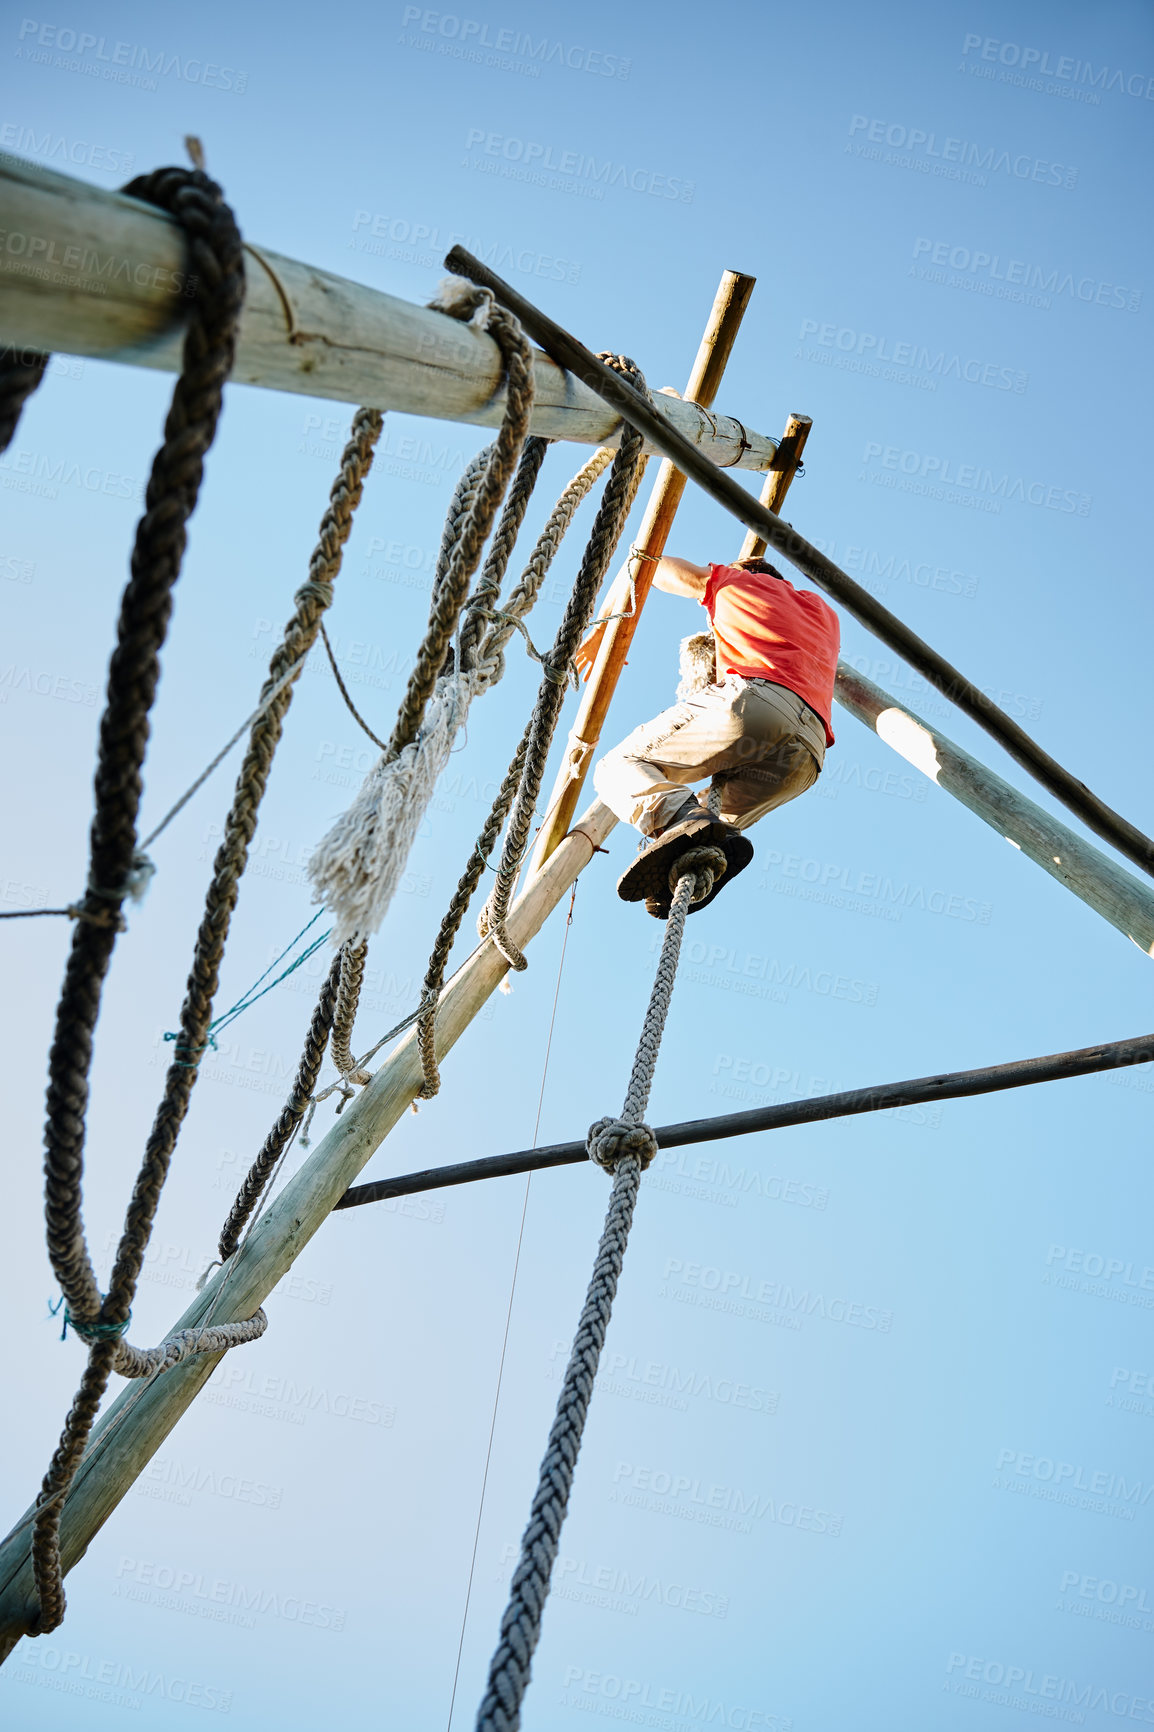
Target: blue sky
{"points": [[942, 210]]}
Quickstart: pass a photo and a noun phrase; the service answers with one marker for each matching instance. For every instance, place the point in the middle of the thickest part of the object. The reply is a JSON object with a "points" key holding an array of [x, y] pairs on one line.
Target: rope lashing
{"points": [[357, 866], [624, 1146], [616, 503]]}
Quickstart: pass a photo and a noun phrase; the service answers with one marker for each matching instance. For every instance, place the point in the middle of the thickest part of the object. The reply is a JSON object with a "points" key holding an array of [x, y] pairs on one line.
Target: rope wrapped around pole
{"points": [[623, 1147]]}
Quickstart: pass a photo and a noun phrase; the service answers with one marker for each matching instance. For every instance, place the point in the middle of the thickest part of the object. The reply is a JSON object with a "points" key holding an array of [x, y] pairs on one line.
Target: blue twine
{"points": [[249, 998]]}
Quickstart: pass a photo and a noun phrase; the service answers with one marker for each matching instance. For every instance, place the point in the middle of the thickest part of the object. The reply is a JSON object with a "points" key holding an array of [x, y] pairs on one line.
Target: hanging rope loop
{"points": [[611, 1140]]}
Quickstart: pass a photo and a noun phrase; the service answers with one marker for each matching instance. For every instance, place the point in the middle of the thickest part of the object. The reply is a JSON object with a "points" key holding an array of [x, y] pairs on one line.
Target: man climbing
{"points": [[757, 723]]}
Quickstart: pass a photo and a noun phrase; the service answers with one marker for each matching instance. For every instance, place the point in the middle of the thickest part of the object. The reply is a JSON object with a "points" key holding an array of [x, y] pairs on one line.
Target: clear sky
{"points": [[937, 1512]]}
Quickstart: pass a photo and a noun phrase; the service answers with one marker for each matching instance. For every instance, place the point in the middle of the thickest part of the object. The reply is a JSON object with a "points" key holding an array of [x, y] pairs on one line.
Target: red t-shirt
{"points": [[767, 630]]}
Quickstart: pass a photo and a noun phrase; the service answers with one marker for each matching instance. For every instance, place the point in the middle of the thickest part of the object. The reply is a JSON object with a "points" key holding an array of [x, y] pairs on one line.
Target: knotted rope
{"points": [[357, 866], [623, 1146]]}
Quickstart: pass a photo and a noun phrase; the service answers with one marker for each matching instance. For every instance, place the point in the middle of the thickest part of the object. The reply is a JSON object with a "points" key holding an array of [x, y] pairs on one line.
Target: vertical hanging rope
{"points": [[356, 868], [624, 1147], [617, 501]]}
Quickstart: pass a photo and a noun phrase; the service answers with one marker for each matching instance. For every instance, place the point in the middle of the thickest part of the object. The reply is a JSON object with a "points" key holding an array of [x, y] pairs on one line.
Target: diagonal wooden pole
{"points": [[142, 1416], [627, 596]]}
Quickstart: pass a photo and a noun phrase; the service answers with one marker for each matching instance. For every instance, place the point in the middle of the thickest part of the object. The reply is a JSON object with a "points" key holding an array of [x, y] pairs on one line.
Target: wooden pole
{"points": [[1124, 901], [725, 318], [142, 1416], [797, 431], [881, 1097], [85, 271], [858, 601]]}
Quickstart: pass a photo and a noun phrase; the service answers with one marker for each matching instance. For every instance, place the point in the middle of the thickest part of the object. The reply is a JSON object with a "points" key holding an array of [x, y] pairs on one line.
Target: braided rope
{"points": [[616, 504], [356, 867], [624, 1146], [216, 263], [20, 374], [491, 665], [352, 973], [291, 1114]]}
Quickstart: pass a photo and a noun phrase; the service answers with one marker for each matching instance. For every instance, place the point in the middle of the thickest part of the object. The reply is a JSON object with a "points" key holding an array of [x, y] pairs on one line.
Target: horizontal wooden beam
{"points": [[882, 1097], [85, 271], [1126, 902], [141, 1417]]}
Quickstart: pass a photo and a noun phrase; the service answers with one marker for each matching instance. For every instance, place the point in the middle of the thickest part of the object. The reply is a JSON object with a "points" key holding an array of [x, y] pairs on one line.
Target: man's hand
{"points": [[587, 652]]}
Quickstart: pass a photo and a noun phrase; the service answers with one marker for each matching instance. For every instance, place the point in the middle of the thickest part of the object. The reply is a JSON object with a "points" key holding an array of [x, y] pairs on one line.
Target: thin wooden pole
{"points": [[934, 668], [726, 314], [86, 271], [797, 431], [1126, 902], [880, 1097], [142, 1416]]}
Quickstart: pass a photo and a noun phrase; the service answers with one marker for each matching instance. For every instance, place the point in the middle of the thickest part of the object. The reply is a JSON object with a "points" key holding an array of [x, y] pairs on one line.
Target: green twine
{"points": [[249, 998], [90, 1332]]}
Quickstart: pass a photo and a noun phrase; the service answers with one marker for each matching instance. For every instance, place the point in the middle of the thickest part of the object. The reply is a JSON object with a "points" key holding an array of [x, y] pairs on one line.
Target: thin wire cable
{"points": [[508, 1321], [344, 691]]}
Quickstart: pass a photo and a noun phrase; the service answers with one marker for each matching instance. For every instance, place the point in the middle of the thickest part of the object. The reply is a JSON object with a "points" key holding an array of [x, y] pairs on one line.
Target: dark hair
{"points": [[760, 566]]}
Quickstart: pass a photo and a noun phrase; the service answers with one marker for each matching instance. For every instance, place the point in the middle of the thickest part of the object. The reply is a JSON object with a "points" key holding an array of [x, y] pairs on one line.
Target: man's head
{"points": [[760, 566]]}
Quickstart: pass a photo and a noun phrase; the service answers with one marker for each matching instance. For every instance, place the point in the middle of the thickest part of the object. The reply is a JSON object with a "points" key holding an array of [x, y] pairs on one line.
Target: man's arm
{"points": [[680, 577], [674, 576]]}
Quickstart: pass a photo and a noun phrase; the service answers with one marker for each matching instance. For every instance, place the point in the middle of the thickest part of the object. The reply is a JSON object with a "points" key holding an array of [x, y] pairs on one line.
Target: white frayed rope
{"points": [[356, 868]]}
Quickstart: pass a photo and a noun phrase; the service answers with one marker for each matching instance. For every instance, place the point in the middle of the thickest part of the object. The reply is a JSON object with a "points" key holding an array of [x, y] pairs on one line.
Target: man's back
{"points": [[766, 629]]}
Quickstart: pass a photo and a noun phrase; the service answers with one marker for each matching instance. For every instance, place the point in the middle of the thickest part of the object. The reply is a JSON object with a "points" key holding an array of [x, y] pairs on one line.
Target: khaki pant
{"points": [[759, 742]]}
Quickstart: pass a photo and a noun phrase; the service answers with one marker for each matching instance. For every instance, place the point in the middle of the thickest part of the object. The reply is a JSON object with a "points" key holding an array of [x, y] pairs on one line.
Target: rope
{"points": [[290, 1116], [352, 973], [356, 867], [20, 374], [616, 503], [217, 268], [625, 1147], [216, 263], [344, 691], [491, 663]]}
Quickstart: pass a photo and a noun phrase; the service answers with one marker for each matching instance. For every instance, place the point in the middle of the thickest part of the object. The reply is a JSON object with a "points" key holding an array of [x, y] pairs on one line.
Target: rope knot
{"points": [[610, 1140], [707, 864], [92, 1330]]}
